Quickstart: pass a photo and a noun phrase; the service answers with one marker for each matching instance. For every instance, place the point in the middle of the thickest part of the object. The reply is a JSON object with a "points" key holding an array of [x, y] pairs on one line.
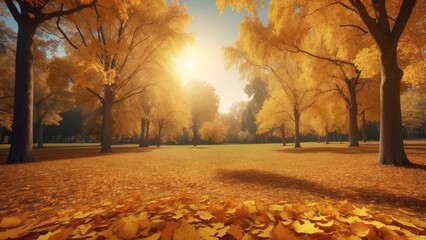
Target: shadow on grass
{"points": [[327, 149], [73, 152], [355, 194]]}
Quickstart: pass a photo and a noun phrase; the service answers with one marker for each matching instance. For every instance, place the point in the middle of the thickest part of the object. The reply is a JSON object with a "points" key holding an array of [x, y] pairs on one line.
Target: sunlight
{"points": [[185, 64]]}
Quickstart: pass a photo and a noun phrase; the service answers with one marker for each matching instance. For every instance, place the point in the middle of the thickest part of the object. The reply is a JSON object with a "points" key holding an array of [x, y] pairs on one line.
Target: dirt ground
{"points": [[64, 177]]}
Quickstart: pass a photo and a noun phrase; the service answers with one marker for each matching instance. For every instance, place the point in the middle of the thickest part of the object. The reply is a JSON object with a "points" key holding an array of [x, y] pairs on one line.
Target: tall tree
{"points": [[30, 15], [120, 49], [385, 22], [204, 104]]}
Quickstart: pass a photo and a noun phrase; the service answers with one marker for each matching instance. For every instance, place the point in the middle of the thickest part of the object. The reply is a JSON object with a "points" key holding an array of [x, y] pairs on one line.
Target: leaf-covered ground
{"points": [[214, 192]]}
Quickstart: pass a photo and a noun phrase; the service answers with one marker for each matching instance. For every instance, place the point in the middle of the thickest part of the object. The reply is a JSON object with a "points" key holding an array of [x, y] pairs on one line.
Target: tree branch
{"points": [[402, 19], [354, 26], [51, 15], [63, 33], [13, 10]]}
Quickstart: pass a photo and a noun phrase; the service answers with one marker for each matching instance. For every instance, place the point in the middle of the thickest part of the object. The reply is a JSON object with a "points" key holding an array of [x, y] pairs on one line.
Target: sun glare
{"points": [[185, 65]]}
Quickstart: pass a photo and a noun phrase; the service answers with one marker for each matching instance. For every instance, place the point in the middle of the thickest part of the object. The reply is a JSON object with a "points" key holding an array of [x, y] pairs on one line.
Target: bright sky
{"points": [[204, 60]]}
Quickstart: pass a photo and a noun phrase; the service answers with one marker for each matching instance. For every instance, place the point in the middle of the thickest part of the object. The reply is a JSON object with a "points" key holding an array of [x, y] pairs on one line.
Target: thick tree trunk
{"points": [[159, 136], [282, 130], [391, 136], [142, 141], [21, 148], [147, 134], [40, 134], [296, 129], [364, 128], [353, 115], [107, 119]]}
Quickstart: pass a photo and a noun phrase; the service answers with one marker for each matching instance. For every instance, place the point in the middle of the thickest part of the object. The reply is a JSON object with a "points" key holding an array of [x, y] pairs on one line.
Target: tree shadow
{"points": [[327, 149], [354, 194], [73, 152]]}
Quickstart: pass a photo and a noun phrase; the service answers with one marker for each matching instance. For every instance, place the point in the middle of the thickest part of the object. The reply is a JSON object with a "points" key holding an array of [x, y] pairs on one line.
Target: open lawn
{"points": [[75, 177]]}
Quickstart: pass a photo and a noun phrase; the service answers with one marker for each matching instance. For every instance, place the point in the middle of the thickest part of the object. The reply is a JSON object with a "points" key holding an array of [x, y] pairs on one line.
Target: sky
{"points": [[204, 60]]}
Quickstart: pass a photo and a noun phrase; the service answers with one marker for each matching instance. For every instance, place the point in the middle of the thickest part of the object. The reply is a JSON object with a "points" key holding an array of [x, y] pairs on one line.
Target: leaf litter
{"points": [[106, 197]]}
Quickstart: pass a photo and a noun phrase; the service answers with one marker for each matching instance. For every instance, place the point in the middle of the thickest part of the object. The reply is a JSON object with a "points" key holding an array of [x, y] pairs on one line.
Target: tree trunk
{"points": [[21, 148], [282, 129], [147, 133], [159, 135], [107, 119], [319, 138], [353, 115], [326, 137], [296, 129], [142, 142], [391, 138], [40, 134], [195, 133], [364, 128]]}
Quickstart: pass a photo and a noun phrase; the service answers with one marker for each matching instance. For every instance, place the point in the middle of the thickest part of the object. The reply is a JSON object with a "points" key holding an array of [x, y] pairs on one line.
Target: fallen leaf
{"points": [[265, 233], [306, 227], [405, 223], [360, 229], [185, 232], [236, 231], [280, 232], [206, 233], [126, 228], [361, 212], [275, 207], [204, 215], [11, 222]]}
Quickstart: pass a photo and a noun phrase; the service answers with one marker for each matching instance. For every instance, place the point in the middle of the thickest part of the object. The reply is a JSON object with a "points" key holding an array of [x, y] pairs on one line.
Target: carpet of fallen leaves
{"points": [[214, 192]]}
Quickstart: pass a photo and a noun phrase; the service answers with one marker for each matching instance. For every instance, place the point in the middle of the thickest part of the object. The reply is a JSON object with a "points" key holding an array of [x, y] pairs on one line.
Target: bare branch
{"points": [[69, 11], [63, 33], [354, 26], [13, 10]]}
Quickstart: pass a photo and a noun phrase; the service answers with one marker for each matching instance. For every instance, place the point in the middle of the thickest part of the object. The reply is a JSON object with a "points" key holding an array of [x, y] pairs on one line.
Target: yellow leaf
{"points": [[360, 229], [361, 212], [222, 232], [266, 233], [185, 232], [126, 228], [84, 228], [206, 233], [306, 227], [325, 225], [406, 223], [275, 207], [48, 235], [204, 215], [280, 232], [250, 206], [406, 212], [418, 222], [11, 222], [178, 214]]}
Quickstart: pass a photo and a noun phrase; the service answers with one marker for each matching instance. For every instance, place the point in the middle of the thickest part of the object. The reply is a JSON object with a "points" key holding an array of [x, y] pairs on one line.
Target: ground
{"points": [[79, 177]]}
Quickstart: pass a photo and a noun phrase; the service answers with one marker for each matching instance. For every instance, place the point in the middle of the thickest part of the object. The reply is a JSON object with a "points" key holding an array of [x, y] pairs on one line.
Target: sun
{"points": [[185, 64]]}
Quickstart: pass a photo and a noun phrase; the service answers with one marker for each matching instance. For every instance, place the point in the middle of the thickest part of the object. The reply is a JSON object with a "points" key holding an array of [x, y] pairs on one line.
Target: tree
{"points": [[413, 107], [124, 58], [385, 27], [30, 15], [7, 65], [288, 83], [204, 104], [213, 131]]}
